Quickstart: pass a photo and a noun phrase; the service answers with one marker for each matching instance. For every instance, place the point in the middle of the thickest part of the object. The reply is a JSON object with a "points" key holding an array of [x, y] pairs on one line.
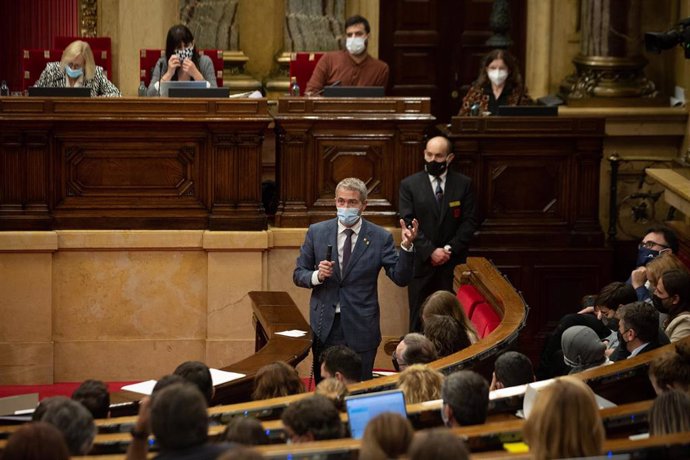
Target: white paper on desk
{"points": [[250, 94], [144, 388], [219, 377], [292, 333]]}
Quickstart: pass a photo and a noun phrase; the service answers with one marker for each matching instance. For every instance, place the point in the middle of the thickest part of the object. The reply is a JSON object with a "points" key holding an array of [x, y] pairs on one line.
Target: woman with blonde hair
{"points": [[420, 383], [77, 68], [446, 303], [388, 435], [564, 422], [333, 389], [275, 380]]}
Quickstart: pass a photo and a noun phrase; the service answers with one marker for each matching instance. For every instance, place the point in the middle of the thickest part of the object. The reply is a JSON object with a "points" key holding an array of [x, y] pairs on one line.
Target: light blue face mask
{"points": [[74, 73], [348, 216]]}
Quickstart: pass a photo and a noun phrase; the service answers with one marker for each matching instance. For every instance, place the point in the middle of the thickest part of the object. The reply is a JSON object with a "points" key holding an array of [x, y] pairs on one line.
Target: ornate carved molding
{"points": [[88, 18]]}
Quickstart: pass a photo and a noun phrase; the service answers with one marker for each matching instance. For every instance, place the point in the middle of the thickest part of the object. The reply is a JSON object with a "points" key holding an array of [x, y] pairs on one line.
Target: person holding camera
{"points": [[443, 202]]}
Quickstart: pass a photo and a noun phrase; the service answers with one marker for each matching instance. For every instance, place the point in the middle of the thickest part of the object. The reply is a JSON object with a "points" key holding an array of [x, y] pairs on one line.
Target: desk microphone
{"points": [[160, 75], [319, 92], [329, 253]]}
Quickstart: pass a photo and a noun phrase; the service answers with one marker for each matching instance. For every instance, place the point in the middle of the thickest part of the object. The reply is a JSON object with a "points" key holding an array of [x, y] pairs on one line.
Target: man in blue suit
{"points": [[340, 261]]}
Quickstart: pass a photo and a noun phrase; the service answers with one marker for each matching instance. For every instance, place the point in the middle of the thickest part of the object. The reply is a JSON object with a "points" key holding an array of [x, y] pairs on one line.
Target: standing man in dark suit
{"points": [[340, 261], [443, 202]]}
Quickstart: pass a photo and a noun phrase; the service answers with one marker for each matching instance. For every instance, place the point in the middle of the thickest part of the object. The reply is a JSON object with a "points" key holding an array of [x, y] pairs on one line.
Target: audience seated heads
{"points": [[446, 334], [612, 296], [511, 369], [672, 293], [314, 418], [199, 374], [179, 418], [414, 348], [662, 264], [564, 422], [420, 383], [246, 431], [639, 324], [333, 389], [241, 453], [439, 444], [168, 380], [657, 240], [446, 303], [78, 49], [465, 397], [275, 380], [341, 363], [93, 394], [672, 371], [73, 420], [36, 441], [670, 413], [582, 348], [388, 435]]}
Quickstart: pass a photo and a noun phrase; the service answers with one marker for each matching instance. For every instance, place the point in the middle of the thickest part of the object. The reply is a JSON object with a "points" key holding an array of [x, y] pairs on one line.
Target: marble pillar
{"points": [[610, 66]]}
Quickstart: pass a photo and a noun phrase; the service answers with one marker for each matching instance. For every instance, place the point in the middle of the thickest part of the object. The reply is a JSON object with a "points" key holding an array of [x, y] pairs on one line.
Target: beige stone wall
{"points": [[130, 305]]}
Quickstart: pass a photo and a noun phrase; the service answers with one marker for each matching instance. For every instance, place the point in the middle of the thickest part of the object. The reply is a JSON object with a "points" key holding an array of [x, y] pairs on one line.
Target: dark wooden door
{"points": [[434, 47]]}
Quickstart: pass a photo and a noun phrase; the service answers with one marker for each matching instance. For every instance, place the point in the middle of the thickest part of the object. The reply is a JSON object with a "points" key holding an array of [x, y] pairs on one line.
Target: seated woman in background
{"points": [[564, 422], [672, 371], [670, 413], [446, 303], [275, 380], [77, 69], [420, 383], [182, 62], [499, 83]]}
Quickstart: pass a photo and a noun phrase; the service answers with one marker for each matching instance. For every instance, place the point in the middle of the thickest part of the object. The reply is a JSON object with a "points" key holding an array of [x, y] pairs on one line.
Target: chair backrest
{"points": [[302, 65], [217, 59], [469, 297], [101, 47], [33, 63], [485, 319], [149, 57]]}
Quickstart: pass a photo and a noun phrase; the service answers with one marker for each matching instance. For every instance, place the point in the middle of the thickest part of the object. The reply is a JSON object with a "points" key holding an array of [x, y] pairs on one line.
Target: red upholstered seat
{"points": [[469, 297], [149, 57], [33, 63], [217, 59], [101, 47], [147, 60], [485, 319], [302, 65]]}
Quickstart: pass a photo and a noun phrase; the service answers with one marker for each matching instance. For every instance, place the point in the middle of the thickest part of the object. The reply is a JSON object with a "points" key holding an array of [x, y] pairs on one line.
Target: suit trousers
{"points": [[337, 337], [436, 279]]}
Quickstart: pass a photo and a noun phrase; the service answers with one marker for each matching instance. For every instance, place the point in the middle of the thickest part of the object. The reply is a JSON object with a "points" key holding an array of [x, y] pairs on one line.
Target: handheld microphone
{"points": [[329, 253], [160, 75]]}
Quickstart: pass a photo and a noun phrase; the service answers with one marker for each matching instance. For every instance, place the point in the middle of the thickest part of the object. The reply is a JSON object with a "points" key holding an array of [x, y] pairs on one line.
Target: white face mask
{"points": [[498, 76], [356, 45]]}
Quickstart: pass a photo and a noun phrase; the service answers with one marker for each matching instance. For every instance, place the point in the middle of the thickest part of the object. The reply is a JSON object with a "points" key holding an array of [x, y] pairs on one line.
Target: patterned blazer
{"points": [[518, 96], [53, 76]]}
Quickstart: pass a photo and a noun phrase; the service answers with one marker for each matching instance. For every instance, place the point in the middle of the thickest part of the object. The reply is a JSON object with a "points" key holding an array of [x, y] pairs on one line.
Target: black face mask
{"points": [[659, 304], [435, 168], [611, 323]]}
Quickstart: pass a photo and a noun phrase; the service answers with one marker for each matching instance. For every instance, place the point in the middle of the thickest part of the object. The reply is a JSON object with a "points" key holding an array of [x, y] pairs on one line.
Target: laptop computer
{"points": [[198, 92], [362, 408], [527, 110], [166, 85], [67, 91], [354, 91]]}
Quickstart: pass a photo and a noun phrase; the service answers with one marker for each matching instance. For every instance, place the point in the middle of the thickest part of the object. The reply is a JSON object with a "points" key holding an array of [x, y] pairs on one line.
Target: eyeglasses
{"points": [[397, 365], [651, 244]]}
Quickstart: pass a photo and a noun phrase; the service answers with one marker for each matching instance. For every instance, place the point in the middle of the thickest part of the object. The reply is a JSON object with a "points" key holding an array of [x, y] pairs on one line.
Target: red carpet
{"points": [[56, 389]]}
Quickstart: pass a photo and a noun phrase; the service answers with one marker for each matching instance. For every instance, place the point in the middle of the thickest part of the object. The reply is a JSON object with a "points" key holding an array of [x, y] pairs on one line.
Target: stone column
{"points": [[610, 66]]}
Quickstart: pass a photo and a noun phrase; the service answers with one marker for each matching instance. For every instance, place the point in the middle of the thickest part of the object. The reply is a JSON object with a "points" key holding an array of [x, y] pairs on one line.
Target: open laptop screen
{"points": [[362, 408], [66, 91], [166, 85]]}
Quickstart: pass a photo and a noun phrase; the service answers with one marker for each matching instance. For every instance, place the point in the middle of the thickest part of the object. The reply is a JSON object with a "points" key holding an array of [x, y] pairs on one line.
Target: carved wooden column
{"points": [[610, 66]]}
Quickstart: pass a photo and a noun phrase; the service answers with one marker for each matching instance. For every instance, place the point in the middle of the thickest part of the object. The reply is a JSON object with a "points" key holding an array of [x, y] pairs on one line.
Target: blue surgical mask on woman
{"points": [[348, 216], [74, 73]]}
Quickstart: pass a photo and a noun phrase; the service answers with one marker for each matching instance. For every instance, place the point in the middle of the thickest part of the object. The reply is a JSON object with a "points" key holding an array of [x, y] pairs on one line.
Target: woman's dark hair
{"points": [[514, 76], [177, 35]]}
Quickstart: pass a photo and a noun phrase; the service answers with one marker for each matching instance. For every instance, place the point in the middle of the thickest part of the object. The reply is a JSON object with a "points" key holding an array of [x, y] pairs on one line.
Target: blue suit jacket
{"points": [[356, 289]]}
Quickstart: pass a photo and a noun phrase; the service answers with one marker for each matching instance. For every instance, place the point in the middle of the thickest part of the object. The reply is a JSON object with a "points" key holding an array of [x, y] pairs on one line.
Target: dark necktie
{"points": [[347, 248], [439, 192]]}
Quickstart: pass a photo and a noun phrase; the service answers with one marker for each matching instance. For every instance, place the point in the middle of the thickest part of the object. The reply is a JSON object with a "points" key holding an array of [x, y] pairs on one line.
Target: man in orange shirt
{"points": [[350, 67]]}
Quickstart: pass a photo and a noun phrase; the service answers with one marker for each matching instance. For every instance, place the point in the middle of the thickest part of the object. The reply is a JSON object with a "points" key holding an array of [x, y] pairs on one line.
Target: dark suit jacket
{"points": [[454, 223], [356, 289]]}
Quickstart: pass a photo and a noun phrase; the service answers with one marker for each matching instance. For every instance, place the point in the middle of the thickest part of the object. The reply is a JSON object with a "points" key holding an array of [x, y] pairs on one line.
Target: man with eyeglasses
{"points": [[340, 261], [657, 241], [414, 348]]}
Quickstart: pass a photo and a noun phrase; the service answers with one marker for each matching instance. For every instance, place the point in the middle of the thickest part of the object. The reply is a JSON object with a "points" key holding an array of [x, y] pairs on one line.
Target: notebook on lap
{"points": [[362, 408]]}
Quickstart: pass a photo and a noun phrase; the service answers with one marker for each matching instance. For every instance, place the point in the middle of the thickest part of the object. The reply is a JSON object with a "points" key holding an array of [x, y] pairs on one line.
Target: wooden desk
{"points": [[323, 140], [131, 163]]}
